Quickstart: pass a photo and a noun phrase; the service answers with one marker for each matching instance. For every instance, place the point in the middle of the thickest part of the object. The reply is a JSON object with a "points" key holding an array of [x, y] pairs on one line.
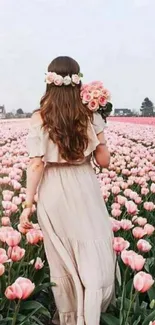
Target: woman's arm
{"points": [[34, 174], [101, 153]]}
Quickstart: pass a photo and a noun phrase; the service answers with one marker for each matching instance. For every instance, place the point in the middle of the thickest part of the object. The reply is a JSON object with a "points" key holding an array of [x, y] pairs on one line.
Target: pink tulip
{"points": [[140, 221], [138, 232], [33, 236], [143, 281], [115, 224], [16, 200], [116, 213], [149, 206], [152, 323], [126, 224], [152, 188], [119, 244], [5, 221], [115, 206], [16, 253], [115, 190], [20, 289], [14, 208], [13, 238], [144, 191], [3, 256], [132, 259], [149, 229], [2, 269], [6, 205], [38, 264], [131, 207], [121, 199], [143, 245]]}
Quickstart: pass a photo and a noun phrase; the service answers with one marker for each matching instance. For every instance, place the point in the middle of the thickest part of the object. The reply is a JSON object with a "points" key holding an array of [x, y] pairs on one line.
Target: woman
{"points": [[71, 211]]}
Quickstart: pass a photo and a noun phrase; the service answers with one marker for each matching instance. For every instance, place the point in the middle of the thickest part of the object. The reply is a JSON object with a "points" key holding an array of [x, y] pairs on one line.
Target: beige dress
{"points": [[77, 231]]}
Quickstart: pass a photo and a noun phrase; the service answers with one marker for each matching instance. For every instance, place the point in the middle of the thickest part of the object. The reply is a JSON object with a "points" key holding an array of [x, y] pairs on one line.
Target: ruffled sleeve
{"points": [[35, 143], [98, 123], [94, 129]]}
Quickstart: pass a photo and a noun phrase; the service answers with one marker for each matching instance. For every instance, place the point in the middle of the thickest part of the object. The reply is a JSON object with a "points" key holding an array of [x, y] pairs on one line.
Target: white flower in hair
{"points": [[75, 79], [67, 80], [58, 80]]}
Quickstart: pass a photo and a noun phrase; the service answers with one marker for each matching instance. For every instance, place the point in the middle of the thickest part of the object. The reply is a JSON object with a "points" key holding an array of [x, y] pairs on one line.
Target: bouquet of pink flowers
{"points": [[96, 97]]}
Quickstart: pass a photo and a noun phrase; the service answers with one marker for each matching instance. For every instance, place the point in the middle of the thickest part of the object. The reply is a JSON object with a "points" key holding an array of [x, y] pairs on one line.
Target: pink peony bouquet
{"points": [[96, 97]]}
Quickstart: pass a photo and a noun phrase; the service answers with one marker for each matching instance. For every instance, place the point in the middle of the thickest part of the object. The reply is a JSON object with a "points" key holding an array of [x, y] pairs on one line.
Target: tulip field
{"points": [[128, 188]]}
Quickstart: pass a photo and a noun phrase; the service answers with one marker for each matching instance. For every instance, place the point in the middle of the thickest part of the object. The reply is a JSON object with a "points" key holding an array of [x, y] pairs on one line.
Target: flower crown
{"points": [[58, 80]]}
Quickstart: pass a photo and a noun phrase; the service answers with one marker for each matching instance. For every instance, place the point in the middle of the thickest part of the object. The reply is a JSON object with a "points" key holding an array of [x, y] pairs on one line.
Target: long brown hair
{"points": [[63, 114]]}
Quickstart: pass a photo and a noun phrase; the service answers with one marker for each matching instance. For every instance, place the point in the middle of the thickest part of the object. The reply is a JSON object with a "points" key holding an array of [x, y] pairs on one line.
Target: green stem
{"points": [[130, 305], [9, 273], [16, 313], [122, 299]]}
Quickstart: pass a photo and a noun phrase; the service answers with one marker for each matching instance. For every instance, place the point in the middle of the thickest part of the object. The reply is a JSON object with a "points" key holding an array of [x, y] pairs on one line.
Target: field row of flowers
{"points": [[135, 120], [128, 188]]}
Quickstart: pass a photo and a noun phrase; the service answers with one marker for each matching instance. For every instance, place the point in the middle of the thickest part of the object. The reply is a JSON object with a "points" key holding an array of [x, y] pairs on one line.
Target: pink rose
{"points": [[93, 105], [96, 93], [86, 98], [102, 101], [75, 79], [50, 76], [143, 281], [58, 80]]}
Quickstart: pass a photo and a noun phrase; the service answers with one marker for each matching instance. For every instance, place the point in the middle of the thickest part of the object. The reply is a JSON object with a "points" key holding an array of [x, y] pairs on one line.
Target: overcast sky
{"points": [[113, 40]]}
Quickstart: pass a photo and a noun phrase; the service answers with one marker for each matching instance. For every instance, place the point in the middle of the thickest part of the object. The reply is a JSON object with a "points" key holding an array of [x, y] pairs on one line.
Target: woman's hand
{"points": [[24, 218]]}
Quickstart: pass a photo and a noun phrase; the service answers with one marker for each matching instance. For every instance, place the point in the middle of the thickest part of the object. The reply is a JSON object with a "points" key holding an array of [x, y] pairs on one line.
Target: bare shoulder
{"points": [[36, 118]]}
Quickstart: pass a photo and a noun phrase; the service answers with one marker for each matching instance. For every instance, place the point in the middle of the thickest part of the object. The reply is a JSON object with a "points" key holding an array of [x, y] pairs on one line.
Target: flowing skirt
{"points": [[78, 242]]}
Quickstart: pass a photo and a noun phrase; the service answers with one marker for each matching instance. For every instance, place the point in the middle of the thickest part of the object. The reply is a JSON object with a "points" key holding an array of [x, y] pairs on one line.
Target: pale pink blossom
{"points": [[131, 207], [2, 269], [143, 245], [39, 264], [5, 221], [149, 206], [126, 224], [22, 288], [149, 229], [119, 244], [13, 238], [116, 213], [3, 256], [143, 281], [16, 253], [138, 232], [132, 259]]}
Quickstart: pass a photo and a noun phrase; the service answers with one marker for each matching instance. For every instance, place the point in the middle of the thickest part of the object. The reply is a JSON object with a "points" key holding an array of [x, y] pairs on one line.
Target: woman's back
{"points": [[40, 144]]}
